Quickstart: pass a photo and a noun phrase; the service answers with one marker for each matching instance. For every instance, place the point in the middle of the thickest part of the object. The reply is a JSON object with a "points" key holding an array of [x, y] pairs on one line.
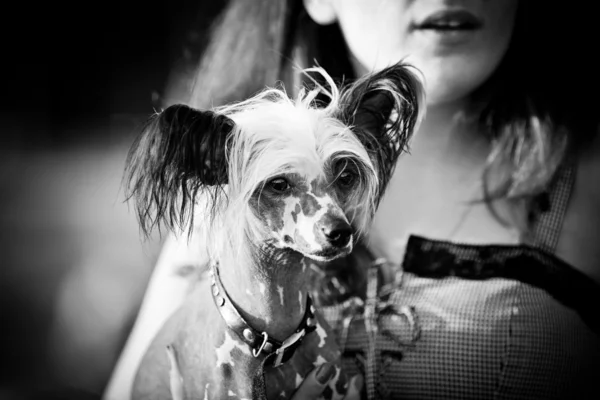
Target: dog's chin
{"points": [[330, 254]]}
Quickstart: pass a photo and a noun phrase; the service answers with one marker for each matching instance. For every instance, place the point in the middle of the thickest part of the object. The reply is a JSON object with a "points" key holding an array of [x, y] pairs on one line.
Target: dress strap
{"points": [[551, 207]]}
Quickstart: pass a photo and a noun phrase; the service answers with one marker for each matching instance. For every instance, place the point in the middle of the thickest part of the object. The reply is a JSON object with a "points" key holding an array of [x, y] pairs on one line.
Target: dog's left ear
{"points": [[384, 108]]}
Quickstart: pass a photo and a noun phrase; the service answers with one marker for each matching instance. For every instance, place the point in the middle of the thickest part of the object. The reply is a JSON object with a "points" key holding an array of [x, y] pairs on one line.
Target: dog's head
{"points": [[278, 172]]}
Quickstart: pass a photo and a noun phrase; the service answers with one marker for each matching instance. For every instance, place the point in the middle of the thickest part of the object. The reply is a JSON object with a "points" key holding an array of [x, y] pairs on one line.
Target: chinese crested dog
{"points": [[273, 184]]}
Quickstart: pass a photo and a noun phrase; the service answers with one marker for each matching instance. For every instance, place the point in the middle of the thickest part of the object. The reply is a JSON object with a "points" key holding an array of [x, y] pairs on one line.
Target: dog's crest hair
{"points": [[218, 159]]}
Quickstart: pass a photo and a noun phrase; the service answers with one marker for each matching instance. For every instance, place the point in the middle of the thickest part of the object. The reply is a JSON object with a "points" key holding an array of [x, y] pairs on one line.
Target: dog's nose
{"points": [[338, 233]]}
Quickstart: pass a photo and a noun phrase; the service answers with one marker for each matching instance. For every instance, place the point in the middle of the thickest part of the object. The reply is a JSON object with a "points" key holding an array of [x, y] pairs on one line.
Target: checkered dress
{"points": [[462, 321]]}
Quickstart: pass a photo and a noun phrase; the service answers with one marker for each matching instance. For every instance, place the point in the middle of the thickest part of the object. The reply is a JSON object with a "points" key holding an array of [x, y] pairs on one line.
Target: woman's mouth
{"points": [[448, 29], [448, 21]]}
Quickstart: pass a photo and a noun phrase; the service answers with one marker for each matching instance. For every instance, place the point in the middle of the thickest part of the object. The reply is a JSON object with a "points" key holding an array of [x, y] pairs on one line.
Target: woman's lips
{"points": [[449, 20], [447, 29]]}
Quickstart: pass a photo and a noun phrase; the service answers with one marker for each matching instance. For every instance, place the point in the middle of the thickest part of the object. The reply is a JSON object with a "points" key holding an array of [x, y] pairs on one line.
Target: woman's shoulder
{"points": [[588, 153], [579, 236]]}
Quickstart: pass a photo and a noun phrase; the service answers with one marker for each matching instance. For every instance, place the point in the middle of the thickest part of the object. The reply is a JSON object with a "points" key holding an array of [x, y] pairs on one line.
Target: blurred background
{"points": [[81, 79]]}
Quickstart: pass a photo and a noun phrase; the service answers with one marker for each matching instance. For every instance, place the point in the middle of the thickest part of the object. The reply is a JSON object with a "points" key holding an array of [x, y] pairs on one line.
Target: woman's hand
{"points": [[316, 381]]}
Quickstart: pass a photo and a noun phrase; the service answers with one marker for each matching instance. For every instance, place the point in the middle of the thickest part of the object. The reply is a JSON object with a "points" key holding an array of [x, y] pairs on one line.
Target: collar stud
{"points": [[249, 335]]}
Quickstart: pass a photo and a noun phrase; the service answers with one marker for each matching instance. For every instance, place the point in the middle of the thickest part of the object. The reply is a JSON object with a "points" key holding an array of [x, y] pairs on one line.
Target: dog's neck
{"points": [[268, 287]]}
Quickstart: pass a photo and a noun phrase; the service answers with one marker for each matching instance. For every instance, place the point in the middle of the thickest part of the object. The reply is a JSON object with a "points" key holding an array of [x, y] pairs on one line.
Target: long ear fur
{"points": [[385, 109], [179, 152]]}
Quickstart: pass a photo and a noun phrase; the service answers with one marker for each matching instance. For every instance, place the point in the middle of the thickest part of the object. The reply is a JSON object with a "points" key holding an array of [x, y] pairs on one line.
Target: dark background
{"points": [[78, 81]]}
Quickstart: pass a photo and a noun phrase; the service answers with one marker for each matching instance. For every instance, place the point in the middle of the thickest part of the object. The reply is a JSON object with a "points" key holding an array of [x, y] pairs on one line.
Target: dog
{"points": [[275, 185]]}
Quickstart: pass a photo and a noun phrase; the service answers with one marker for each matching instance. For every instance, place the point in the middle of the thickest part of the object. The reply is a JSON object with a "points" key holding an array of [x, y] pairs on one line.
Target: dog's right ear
{"points": [[385, 109], [180, 152]]}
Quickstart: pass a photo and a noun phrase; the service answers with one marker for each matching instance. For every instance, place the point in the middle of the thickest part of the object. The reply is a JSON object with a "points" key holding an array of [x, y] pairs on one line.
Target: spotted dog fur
{"points": [[271, 184]]}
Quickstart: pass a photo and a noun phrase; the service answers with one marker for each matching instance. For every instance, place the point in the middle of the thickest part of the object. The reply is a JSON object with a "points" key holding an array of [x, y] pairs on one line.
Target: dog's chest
{"points": [[213, 363], [227, 369]]}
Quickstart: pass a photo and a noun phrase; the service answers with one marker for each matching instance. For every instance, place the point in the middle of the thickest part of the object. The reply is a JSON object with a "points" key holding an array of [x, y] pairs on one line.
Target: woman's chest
{"points": [[440, 203], [478, 339], [444, 202]]}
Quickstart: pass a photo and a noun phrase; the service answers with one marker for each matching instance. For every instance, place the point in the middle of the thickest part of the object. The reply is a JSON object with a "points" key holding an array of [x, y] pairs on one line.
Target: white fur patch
{"points": [[306, 225], [320, 360], [280, 291], [288, 223], [292, 205], [298, 380], [322, 335], [224, 351]]}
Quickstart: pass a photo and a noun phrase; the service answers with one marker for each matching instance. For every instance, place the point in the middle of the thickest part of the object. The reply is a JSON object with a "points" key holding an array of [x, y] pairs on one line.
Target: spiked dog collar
{"points": [[260, 342]]}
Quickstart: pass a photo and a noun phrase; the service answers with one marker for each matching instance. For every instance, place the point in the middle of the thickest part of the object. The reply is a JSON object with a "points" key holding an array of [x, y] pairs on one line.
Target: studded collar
{"points": [[260, 342]]}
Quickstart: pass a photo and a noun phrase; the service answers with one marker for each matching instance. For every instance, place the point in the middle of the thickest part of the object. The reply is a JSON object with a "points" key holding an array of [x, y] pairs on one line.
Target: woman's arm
{"points": [[166, 291]]}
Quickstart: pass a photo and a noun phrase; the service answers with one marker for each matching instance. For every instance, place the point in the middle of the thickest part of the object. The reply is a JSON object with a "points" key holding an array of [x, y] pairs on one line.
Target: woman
{"points": [[490, 225]]}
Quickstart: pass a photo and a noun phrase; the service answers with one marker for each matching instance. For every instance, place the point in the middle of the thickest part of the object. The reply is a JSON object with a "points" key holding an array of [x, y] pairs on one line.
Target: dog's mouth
{"points": [[330, 254], [322, 255]]}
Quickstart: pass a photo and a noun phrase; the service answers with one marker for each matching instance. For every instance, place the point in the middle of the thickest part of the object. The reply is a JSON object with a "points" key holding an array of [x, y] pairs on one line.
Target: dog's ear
{"points": [[384, 108], [180, 151]]}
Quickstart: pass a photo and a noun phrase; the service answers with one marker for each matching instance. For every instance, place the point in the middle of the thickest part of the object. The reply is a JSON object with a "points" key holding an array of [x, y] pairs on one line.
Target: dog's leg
{"points": [[175, 378]]}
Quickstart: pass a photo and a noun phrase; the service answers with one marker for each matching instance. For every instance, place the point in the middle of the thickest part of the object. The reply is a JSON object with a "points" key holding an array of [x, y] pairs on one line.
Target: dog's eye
{"points": [[346, 178], [279, 185]]}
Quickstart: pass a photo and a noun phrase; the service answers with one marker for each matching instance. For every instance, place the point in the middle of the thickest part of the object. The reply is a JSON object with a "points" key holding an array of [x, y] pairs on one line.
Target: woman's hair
{"points": [[260, 42], [533, 107]]}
